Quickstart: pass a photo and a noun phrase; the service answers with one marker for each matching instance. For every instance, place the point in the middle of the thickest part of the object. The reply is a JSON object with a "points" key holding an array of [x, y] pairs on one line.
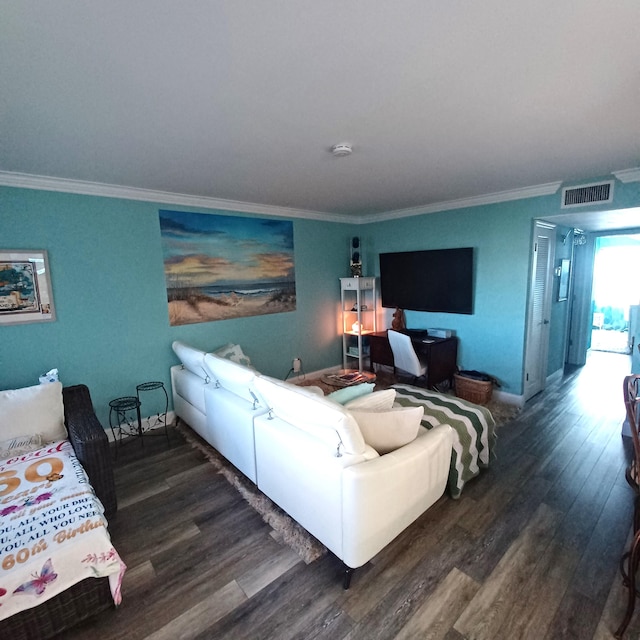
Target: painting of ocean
{"points": [[219, 267]]}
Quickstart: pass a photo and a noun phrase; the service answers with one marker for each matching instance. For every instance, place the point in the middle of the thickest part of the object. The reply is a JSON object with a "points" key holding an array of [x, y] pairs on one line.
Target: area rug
{"points": [[502, 412], [290, 532]]}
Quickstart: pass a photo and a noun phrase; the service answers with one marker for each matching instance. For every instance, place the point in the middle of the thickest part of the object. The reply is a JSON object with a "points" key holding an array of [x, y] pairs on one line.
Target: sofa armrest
{"points": [[383, 496], [90, 444]]}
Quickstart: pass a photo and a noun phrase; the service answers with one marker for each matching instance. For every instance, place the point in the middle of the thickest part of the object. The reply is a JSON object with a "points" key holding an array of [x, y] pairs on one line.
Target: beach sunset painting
{"points": [[219, 267]]}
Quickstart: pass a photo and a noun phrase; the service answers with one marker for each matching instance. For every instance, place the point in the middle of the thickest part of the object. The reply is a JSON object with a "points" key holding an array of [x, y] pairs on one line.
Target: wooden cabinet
{"points": [[358, 303]]}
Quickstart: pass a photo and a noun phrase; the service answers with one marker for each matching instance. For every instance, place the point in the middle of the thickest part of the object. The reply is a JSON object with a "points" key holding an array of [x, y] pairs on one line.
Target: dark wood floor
{"points": [[530, 550]]}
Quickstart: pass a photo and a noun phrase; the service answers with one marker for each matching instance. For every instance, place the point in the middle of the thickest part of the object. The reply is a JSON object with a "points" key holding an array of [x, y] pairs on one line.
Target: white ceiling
{"points": [[241, 100]]}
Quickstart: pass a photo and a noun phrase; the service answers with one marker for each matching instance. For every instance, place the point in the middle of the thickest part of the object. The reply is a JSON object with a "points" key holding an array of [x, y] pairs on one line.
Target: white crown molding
{"points": [[475, 201], [628, 175], [46, 183]]}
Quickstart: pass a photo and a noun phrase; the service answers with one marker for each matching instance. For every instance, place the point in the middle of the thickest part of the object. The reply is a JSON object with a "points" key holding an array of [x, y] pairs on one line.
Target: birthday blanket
{"points": [[52, 530], [474, 426]]}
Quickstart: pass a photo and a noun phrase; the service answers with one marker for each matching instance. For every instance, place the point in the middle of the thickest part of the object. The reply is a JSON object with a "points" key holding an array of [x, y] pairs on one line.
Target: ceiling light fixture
{"points": [[342, 149]]}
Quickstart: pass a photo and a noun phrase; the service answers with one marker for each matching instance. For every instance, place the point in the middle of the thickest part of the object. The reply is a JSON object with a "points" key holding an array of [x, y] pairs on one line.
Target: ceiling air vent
{"points": [[595, 193]]}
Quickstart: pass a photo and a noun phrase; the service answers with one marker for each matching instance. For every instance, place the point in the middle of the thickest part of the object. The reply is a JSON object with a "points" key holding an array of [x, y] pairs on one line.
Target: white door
{"points": [[539, 311]]}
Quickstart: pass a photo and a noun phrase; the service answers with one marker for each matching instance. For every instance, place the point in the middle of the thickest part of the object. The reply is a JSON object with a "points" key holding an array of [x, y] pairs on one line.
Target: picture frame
{"points": [[563, 287], [25, 287]]}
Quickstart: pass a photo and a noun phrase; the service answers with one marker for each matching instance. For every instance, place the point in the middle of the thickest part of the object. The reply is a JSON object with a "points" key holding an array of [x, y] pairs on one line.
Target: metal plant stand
{"points": [[159, 419], [119, 418]]}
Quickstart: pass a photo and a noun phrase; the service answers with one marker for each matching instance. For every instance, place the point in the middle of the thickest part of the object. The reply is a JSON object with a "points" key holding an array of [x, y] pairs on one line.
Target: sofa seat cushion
{"points": [[33, 410], [388, 430], [322, 418]]}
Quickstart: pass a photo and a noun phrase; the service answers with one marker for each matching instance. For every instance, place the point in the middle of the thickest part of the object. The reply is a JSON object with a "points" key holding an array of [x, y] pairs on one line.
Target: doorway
{"points": [[615, 290]]}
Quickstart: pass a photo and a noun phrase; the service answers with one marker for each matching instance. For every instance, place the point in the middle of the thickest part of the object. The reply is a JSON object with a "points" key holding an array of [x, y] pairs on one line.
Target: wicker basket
{"points": [[476, 391]]}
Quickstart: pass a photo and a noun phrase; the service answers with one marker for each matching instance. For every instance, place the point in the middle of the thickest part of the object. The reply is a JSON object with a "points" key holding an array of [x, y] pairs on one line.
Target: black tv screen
{"points": [[435, 280]]}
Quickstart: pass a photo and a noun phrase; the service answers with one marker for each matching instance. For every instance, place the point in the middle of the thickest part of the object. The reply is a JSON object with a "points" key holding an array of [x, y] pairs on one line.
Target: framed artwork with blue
{"points": [[219, 267]]}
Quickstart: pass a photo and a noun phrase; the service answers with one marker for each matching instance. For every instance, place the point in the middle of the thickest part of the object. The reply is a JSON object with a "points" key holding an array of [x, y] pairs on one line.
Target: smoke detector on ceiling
{"points": [[342, 149]]}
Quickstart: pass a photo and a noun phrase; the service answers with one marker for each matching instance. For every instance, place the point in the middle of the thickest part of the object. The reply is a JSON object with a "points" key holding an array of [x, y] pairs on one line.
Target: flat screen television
{"points": [[434, 280]]}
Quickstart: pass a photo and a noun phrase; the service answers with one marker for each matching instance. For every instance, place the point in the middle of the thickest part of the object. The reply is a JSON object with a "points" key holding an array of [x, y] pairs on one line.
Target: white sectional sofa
{"points": [[308, 453]]}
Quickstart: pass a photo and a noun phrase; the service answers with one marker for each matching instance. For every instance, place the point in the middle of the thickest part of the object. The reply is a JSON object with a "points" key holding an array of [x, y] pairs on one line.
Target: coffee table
{"points": [[347, 377]]}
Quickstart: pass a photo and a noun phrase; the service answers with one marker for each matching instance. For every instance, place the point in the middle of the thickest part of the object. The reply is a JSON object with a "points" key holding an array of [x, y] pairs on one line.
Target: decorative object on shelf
{"points": [[25, 295], [356, 261], [398, 323], [355, 327]]}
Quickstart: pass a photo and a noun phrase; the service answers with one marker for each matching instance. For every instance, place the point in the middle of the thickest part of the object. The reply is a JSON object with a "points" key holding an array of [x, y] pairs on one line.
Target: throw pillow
{"points": [[387, 431], [342, 396], [234, 353], [376, 401], [18, 446], [38, 409]]}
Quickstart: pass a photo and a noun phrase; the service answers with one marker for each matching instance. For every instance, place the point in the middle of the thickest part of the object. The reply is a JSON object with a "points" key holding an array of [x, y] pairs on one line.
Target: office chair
{"points": [[404, 355]]}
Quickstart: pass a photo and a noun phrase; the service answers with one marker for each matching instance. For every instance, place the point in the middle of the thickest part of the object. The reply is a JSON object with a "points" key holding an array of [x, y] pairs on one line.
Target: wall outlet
{"points": [[297, 365]]}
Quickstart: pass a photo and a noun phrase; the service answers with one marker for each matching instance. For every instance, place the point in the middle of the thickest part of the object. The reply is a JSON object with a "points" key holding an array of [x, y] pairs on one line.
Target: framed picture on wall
{"points": [[563, 289], [25, 287]]}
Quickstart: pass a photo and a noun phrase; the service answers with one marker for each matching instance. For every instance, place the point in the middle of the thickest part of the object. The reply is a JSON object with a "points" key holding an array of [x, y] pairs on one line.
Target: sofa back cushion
{"points": [[232, 376], [33, 410], [322, 418], [191, 358]]}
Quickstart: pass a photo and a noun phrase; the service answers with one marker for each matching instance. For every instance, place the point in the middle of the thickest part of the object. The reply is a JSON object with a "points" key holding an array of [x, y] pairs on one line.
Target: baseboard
{"points": [[146, 424], [508, 398]]}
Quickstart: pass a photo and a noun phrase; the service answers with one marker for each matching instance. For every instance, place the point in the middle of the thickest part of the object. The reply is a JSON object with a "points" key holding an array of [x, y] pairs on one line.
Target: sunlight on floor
{"points": [[599, 385], [615, 341]]}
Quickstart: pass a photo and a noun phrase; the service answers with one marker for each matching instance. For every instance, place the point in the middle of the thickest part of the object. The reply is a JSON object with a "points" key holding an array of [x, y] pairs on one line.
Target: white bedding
{"points": [[53, 533]]}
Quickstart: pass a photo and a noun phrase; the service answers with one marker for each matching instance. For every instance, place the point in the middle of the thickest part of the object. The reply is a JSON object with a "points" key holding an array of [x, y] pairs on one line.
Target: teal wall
{"points": [[492, 339], [112, 330]]}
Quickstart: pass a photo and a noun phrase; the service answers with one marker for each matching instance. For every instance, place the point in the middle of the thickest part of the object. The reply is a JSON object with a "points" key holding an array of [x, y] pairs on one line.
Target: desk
{"points": [[439, 354]]}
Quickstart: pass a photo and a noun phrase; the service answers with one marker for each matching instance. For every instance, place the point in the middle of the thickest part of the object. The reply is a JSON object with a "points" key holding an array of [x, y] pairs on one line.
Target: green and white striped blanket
{"points": [[473, 447]]}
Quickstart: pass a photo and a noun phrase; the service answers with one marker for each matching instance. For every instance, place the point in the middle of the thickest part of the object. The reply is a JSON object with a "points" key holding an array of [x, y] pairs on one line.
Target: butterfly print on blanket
{"points": [[39, 583]]}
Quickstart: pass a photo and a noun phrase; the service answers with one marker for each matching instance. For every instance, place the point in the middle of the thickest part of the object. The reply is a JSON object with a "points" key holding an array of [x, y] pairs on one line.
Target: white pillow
{"points": [[234, 353], [376, 401], [31, 410], [387, 431], [18, 446]]}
